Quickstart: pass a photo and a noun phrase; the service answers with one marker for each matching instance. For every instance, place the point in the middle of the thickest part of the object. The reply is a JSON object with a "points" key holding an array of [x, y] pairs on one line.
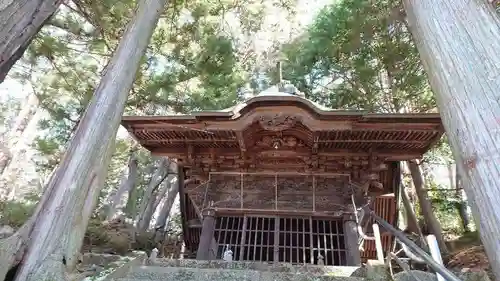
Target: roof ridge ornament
{"points": [[286, 86]]}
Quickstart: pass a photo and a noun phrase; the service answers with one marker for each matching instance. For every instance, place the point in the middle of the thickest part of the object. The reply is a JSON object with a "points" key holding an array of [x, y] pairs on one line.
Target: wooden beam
{"points": [[241, 140], [183, 140], [315, 145], [207, 235], [194, 223], [232, 152], [182, 201], [257, 192], [374, 141], [271, 212], [190, 151], [211, 127], [286, 174], [243, 147], [389, 126]]}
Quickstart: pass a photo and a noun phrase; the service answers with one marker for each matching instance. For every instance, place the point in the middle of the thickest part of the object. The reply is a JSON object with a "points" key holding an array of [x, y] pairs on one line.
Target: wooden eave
{"points": [[328, 131]]}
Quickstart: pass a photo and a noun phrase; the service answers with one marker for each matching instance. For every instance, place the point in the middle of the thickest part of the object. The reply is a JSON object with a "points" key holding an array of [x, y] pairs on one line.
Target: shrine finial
{"points": [[279, 67]]}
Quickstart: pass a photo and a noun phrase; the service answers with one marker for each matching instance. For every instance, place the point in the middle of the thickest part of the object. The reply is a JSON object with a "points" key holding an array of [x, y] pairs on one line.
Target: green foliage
{"points": [[440, 154], [15, 213], [445, 204], [198, 59], [360, 55], [9, 107]]}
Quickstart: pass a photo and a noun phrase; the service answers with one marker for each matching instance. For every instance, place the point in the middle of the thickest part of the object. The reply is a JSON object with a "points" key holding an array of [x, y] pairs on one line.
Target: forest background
{"points": [[206, 55]]}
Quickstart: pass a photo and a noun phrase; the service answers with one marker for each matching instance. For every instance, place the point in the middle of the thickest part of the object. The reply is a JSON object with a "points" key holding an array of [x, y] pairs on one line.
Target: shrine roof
{"points": [[242, 126], [273, 97]]}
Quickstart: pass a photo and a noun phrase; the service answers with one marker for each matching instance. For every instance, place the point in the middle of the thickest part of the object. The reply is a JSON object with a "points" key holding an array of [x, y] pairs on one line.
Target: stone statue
{"points": [[228, 254]]}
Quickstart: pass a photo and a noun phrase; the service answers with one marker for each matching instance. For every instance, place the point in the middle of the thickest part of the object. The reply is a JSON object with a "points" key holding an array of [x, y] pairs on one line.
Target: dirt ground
{"points": [[473, 258]]}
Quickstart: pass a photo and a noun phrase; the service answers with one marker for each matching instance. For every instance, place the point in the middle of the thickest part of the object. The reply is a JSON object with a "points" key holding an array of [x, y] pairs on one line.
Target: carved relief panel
{"points": [[277, 121], [279, 142]]}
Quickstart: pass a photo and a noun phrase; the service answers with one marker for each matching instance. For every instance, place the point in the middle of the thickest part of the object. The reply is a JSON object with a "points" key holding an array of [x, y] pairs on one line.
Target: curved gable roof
{"points": [[271, 96]]}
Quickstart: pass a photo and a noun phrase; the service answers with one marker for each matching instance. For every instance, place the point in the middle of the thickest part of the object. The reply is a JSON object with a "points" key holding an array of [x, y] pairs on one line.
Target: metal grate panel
{"points": [[328, 241], [295, 240], [228, 232], [258, 242], [282, 239]]}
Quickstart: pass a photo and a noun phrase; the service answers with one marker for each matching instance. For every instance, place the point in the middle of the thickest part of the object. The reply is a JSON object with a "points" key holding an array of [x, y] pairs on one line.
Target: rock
{"points": [[410, 276], [6, 231]]}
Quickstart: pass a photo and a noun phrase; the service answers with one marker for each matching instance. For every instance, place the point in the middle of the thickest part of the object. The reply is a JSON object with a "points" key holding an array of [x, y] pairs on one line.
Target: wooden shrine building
{"points": [[272, 178]]}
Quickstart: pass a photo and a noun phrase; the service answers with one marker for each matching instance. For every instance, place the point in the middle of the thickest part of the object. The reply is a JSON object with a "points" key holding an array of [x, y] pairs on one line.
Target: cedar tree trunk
{"points": [[458, 44], [81, 166]]}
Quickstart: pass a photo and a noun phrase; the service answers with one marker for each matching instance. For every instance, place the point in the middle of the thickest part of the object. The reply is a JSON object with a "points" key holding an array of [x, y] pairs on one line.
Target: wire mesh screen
{"points": [[282, 239], [327, 193]]}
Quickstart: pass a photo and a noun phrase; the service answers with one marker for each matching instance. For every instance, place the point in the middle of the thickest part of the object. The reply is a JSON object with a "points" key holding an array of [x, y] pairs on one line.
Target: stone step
{"points": [[156, 273], [315, 270]]}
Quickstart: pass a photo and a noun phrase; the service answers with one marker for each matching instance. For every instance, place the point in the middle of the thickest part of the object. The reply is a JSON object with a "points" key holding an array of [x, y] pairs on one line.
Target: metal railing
{"points": [[411, 250]]}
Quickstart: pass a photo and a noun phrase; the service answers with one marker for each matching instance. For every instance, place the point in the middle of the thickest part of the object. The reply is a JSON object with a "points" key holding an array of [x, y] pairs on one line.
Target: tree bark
{"points": [[5, 157], [131, 206], [147, 199], [148, 213], [15, 133], [411, 217], [166, 206], [462, 202], [425, 205], [128, 181], [79, 227], [458, 47], [160, 197], [20, 21], [71, 183], [13, 248]]}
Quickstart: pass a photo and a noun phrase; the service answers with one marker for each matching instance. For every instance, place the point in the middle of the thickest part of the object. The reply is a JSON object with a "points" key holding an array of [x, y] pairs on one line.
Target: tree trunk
{"points": [[13, 248], [148, 213], [457, 41], [70, 185], [132, 200], [79, 227], [20, 21], [15, 133], [160, 197], [165, 209], [462, 202], [411, 217], [425, 206], [128, 181], [166, 206], [5, 157], [147, 199]]}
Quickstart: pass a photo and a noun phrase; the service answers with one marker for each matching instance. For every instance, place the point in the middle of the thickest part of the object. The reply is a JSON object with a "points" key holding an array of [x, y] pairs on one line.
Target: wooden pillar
{"points": [[207, 236], [351, 242]]}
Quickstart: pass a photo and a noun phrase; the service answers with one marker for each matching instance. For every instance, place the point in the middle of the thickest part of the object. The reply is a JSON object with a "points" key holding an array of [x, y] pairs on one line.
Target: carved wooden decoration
{"points": [[277, 122], [287, 142]]}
